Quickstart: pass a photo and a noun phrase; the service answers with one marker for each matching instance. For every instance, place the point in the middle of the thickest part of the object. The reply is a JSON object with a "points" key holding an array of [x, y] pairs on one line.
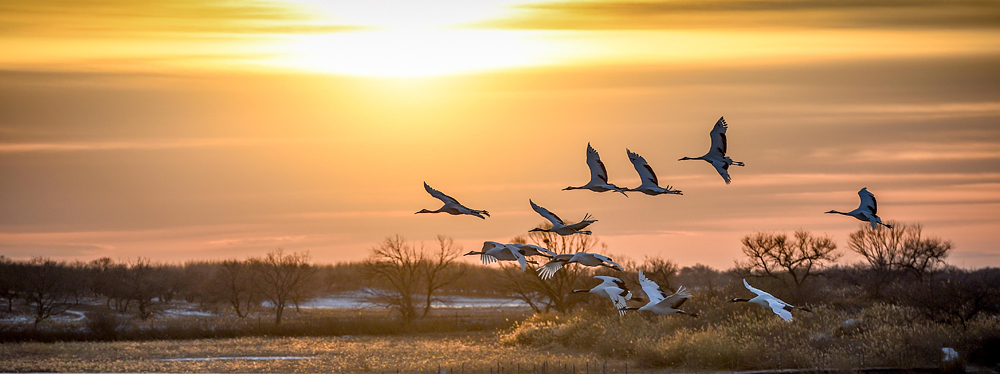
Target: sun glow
{"points": [[413, 52]]}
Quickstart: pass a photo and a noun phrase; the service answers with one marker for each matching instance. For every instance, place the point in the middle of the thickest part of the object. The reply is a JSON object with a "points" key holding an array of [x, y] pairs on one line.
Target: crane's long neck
{"points": [[838, 212], [429, 211], [695, 315], [580, 291], [692, 158], [572, 188]]}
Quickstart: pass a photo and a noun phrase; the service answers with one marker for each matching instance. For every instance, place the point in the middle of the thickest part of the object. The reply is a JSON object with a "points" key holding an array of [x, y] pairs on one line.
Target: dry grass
{"points": [[753, 338], [475, 352], [99, 325]]}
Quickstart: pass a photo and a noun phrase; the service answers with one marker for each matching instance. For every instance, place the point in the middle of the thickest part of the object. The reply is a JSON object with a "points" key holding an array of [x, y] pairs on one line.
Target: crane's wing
{"points": [[550, 268], [756, 291], [540, 250], [718, 134], [642, 167], [582, 224], [597, 169], [723, 169], [871, 218], [651, 289], [674, 301], [547, 214], [487, 258], [440, 195], [778, 307], [611, 281], [608, 261], [519, 257], [868, 201], [617, 299]]}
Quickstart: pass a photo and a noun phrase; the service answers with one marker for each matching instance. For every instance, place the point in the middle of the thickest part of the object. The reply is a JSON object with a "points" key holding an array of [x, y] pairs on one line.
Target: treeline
{"points": [[42, 288], [901, 266]]}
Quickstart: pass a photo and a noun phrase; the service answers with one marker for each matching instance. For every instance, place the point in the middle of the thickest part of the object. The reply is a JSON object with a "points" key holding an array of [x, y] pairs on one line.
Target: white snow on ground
{"points": [[356, 300], [188, 312], [18, 319], [67, 316], [252, 358], [79, 315]]}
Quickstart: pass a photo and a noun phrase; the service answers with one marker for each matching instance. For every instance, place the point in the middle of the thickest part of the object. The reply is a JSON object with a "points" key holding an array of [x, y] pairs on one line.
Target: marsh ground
{"points": [[475, 352]]}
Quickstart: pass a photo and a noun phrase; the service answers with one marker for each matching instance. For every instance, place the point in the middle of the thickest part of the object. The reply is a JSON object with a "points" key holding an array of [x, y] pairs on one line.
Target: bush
{"points": [[104, 324]]}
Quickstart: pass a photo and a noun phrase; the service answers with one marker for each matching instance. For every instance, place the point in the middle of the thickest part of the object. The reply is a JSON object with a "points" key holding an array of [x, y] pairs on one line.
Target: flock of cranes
{"points": [[612, 287]]}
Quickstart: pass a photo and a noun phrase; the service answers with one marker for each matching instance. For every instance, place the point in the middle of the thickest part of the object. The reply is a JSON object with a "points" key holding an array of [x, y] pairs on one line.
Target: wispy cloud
{"points": [[721, 14], [913, 152], [142, 145], [123, 18]]}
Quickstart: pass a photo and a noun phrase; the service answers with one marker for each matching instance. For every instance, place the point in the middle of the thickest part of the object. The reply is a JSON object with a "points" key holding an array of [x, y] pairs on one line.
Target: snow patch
{"points": [[250, 358]]}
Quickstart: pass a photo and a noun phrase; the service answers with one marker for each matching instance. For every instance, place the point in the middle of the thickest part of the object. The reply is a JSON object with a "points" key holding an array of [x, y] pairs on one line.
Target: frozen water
{"points": [[250, 358]]}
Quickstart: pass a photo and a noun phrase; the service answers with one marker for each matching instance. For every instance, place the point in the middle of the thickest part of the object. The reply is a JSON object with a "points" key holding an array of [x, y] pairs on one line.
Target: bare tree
{"points": [[279, 275], [440, 270], [48, 288], [10, 284], [902, 248], [108, 280], [660, 270], [955, 295], [234, 284], [775, 256], [143, 284], [396, 265]]}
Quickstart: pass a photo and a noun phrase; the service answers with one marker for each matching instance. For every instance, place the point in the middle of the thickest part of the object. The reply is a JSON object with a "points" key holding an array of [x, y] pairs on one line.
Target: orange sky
{"points": [[207, 129]]}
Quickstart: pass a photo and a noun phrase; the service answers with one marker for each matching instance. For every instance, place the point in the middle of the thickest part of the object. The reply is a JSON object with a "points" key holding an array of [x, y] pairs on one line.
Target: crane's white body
{"points": [[659, 301], [583, 258], [867, 210], [607, 282], [650, 185], [612, 288], [717, 154], [528, 250], [558, 225], [494, 252], [451, 205], [618, 298], [598, 175], [766, 300]]}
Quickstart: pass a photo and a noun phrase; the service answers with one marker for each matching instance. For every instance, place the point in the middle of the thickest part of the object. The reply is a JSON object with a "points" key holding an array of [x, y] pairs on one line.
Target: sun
{"points": [[412, 52], [409, 39]]}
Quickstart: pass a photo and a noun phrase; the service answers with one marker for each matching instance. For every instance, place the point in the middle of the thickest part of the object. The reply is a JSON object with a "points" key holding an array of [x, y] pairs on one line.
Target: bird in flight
{"points": [[717, 154], [764, 299], [659, 301], [866, 211], [583, 258], [598, 175], [650, 185], [451, 206], [558, 225]]}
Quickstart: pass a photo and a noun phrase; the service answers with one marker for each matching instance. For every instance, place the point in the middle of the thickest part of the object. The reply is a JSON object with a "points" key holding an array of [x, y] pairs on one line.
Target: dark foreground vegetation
{"points": [[898, 307]]}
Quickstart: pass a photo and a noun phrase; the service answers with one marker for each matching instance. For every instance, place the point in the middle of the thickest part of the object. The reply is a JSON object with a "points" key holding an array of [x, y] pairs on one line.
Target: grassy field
{"points": [[95, 322], [751, 338], [477, 352]]}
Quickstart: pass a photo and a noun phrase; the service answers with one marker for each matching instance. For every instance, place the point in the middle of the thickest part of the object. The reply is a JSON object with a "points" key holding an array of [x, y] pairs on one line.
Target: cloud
{"points": [[124, 18], [722, 14]]}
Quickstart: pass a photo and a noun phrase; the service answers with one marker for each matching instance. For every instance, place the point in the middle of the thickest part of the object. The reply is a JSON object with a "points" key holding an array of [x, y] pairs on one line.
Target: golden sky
{"points": [[206, 129]]}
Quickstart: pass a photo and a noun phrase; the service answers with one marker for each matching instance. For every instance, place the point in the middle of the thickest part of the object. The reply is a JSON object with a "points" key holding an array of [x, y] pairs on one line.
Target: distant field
{"points": [[325, 316], [478, 352]]}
